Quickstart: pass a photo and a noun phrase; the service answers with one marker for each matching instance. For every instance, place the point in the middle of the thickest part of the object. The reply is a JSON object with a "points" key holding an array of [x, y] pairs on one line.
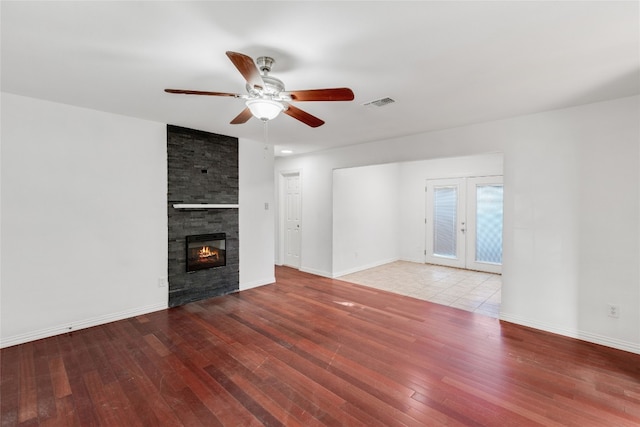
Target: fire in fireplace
{"points": [[206, 251]]}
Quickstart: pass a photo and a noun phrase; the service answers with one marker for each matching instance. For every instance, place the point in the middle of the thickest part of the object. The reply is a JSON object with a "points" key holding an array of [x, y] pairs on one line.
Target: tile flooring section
{"points": [[464, 289]]}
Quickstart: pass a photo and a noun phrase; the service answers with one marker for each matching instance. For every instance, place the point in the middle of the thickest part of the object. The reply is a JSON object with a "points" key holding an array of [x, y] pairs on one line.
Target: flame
{"points": [[206, 252]]}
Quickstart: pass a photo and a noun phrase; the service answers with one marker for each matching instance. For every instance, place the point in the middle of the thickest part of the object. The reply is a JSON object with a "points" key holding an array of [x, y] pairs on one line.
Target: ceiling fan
{"points": [[266, 97]]}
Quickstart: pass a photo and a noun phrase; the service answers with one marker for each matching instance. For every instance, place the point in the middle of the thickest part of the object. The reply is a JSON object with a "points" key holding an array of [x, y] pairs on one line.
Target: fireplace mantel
{"points": [[205, 206]]}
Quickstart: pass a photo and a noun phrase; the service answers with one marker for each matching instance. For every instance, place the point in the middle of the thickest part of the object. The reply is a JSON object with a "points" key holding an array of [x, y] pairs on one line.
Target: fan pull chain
{"points": [[266, 138]]}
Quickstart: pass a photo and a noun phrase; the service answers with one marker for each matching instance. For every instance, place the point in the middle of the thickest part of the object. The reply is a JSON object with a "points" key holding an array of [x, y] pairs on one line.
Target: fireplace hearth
{"points": [[206, 251]]}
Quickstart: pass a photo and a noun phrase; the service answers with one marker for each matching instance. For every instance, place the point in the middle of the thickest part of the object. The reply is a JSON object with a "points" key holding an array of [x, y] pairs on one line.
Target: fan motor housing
{"points": [[272, 86]]}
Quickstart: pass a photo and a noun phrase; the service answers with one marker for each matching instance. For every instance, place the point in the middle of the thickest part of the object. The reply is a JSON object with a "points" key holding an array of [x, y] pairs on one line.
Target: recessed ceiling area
{"points": [[445, 64]]}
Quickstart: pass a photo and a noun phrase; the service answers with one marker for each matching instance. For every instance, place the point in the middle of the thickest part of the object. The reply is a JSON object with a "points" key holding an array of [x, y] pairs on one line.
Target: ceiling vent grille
{"points": [[379, 102]]}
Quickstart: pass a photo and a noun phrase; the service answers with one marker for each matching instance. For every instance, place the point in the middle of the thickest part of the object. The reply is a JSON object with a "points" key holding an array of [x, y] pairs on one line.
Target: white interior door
{"points": [[464, 223], [446, 223], [292, 210]]}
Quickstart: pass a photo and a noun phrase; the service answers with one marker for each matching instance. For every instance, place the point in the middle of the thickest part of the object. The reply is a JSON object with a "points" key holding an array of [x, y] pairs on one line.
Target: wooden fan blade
{"points": [[247, 68], [242, 117], [335, 94], [199, 92], [303, 116]]}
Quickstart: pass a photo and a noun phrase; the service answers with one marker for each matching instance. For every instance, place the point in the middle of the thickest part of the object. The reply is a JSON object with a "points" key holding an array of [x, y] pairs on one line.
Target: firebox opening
{"points": [[206, 251]]}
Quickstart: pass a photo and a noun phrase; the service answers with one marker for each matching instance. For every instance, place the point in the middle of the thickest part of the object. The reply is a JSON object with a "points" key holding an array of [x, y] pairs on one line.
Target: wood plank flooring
{"points": [[310, 351]]}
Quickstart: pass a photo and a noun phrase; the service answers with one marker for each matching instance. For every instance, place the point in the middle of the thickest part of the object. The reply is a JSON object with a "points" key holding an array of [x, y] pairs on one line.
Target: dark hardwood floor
{"points": [[310, 351]]}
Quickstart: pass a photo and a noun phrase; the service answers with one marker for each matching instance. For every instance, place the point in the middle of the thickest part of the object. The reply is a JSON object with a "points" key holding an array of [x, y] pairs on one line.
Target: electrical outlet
{"points": [[614, 311], [162, 282]]}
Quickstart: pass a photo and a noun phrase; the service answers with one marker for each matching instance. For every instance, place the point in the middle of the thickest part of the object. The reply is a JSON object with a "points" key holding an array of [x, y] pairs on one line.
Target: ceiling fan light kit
{"points": [[266, 97], [264, 109]]}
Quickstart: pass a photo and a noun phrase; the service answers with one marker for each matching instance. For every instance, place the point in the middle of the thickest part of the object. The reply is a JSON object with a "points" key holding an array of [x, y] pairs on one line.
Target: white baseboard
{"points": [[81, 324], [416, 260], [364, 267], [316, 272], [256, 283], [577, 334]]}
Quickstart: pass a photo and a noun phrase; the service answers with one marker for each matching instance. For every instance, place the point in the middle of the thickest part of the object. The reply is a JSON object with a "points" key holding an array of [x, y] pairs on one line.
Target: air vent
{"points": [[379, 102]]}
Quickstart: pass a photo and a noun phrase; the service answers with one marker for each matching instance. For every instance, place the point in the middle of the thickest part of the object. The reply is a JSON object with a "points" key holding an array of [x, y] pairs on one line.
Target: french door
{"points": [[446, 222], [464, 223]]}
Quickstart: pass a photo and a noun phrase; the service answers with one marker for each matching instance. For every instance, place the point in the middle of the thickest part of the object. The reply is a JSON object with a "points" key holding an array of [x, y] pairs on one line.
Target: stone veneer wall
{"points": [[202, 168]]}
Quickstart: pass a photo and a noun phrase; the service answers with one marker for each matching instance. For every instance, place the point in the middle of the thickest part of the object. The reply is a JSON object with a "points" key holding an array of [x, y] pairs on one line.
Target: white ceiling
{"points": [[445, 63]]}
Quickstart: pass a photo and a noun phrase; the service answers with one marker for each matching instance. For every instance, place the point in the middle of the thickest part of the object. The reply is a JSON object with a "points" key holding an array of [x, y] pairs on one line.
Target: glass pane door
{"points": [[485, 196], [445, 244]]}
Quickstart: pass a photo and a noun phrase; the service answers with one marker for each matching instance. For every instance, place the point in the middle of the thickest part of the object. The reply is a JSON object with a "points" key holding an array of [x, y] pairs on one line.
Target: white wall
{"points": [[84, 223], [82, 192], [572, 217], [572, 212], [256, 219], [366, 208]]}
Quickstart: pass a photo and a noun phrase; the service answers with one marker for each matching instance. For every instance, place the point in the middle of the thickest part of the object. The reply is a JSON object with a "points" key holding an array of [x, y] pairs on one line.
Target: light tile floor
{"points": [[464, 289]]}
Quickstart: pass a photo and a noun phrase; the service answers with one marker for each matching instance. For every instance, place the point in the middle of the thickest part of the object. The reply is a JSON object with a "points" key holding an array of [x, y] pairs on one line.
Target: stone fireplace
{"points": [[202, 176]]}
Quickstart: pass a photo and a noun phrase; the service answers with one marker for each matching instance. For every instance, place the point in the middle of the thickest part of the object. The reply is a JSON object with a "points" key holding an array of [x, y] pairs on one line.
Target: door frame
{"points": [[282, 176]]}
